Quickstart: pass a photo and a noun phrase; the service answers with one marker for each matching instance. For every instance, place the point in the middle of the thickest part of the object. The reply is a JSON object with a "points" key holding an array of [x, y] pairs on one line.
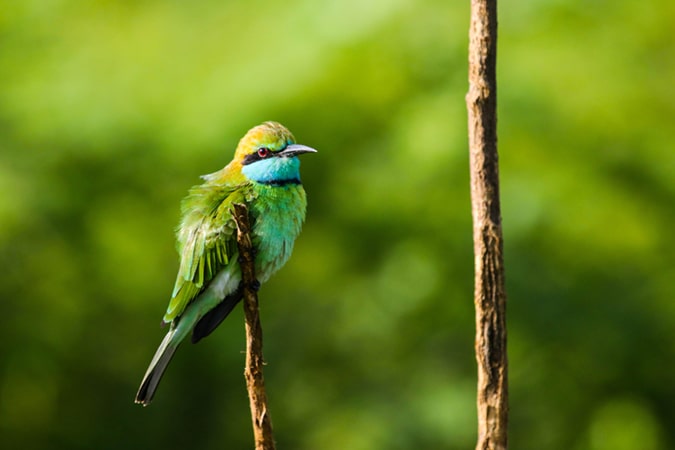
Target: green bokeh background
{"points": [[109, 111]]}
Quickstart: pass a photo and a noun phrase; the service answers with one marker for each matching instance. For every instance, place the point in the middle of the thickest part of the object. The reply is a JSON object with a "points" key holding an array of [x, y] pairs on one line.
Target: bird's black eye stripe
{"points": [[248, 159], [261, 153]]}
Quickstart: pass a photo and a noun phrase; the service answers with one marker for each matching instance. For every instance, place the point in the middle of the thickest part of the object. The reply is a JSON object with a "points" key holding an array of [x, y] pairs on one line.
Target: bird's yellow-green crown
{"points": [[271, 135]]}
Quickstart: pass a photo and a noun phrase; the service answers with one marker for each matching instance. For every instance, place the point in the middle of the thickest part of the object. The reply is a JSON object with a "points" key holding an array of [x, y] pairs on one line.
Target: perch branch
{"points": [[489, 292], [255, 383]]}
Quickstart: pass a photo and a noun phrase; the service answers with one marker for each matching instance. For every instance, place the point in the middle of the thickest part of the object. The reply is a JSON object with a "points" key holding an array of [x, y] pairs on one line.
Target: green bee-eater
{"points": [[265, 175]]}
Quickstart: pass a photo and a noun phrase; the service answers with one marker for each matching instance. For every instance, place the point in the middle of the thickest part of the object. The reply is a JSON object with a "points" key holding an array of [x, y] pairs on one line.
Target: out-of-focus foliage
{"points": [[109, 110]]}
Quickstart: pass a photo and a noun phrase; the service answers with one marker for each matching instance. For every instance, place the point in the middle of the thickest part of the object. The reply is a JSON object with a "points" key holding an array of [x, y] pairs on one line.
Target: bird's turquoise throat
{"points": [[276, 171]]}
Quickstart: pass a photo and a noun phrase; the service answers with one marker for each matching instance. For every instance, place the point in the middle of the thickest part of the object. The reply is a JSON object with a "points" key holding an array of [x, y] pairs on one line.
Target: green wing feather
{"points": [[206, 239]]}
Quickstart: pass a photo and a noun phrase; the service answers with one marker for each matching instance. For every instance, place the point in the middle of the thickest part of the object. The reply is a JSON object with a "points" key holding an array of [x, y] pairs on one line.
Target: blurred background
{"points": [[110, 110]]}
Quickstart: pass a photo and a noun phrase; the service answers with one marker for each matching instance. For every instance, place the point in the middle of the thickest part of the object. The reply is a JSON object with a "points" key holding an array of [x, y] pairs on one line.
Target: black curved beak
{"points": [[295, 149]]}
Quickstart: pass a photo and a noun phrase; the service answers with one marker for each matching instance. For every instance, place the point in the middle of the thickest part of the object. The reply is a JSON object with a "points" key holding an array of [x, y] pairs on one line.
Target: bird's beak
{"points": [[295, 149]]}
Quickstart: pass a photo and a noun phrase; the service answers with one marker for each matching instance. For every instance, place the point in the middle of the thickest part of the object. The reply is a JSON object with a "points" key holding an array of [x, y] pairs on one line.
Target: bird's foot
{"points": [[255, 285]]}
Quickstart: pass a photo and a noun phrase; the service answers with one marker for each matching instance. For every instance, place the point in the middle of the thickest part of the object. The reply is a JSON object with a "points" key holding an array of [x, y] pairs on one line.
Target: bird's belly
{"points": [[278, 215]]}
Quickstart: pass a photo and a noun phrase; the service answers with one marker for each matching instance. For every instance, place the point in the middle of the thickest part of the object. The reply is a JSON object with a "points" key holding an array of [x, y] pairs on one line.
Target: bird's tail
{"points": [[157, 367]]}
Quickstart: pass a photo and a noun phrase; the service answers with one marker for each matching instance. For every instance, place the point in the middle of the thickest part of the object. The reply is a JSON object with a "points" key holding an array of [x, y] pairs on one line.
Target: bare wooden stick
{"points": [[489, 292], [255, 382]]}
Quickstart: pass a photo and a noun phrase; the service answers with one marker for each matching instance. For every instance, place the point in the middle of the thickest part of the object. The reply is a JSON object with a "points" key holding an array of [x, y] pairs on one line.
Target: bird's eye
{"points": [[263, 152]]}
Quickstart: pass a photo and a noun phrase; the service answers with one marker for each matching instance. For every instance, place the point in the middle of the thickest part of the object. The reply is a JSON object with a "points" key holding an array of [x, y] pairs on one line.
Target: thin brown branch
{"points": [[489, 293], [255, 382]]}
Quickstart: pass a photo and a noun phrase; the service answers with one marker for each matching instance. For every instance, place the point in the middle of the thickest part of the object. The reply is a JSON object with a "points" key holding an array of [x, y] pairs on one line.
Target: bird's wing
{"points": [[206, 241]]}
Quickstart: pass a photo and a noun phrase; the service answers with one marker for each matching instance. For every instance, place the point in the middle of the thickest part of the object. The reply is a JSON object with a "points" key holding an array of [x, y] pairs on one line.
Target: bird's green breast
{"points": [[278, 213]]}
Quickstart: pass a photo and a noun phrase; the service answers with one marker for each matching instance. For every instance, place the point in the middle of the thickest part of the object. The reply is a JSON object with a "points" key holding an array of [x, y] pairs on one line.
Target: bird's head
{"points": [[268, 155]]}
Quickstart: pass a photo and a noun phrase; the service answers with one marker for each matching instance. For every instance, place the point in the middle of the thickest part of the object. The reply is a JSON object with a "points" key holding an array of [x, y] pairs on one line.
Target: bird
{"points": [[265, 176]]}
